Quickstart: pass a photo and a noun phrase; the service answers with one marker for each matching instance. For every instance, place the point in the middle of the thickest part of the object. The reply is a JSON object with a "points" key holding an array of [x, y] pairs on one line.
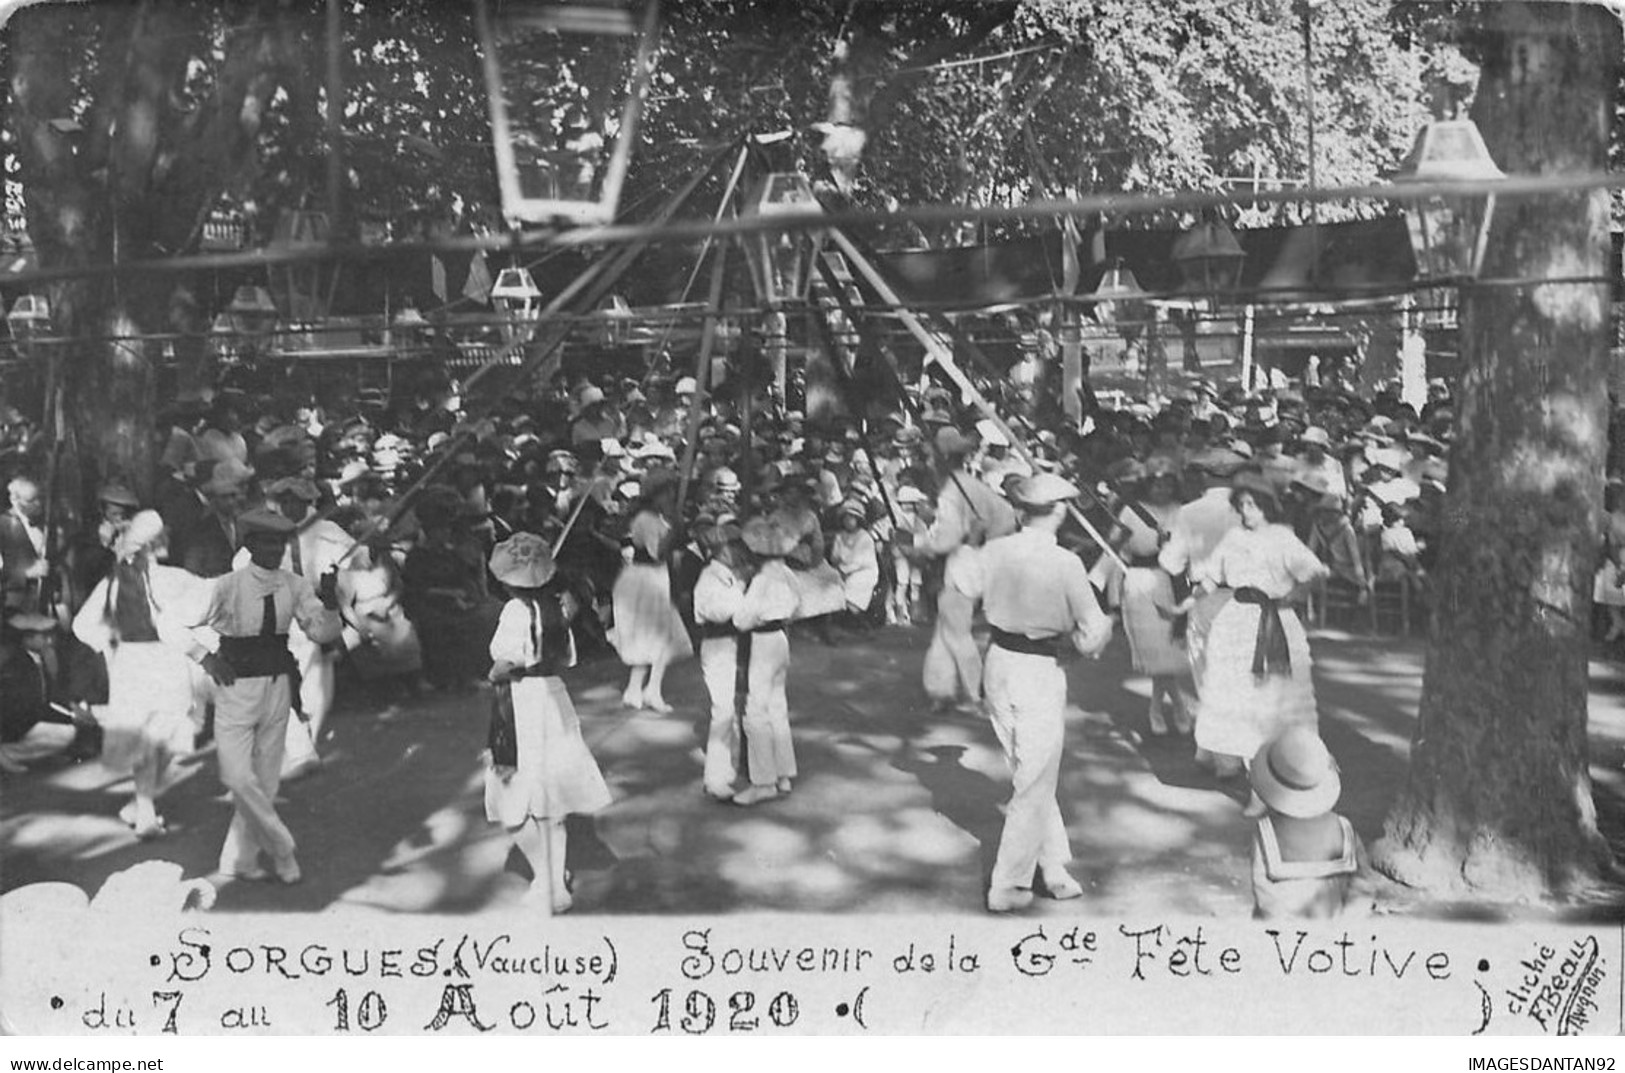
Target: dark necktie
{"points": [[268, 622], [293, 551]]}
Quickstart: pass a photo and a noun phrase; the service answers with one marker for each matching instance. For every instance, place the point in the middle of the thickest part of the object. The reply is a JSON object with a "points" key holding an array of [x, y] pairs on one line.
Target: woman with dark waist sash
{"points": [[769, 604], [1255, 680]]}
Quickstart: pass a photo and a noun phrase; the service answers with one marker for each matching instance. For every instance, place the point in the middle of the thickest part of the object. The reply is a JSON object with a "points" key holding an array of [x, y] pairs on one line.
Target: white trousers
{"points": [[719, 663], [250, 729], [1026, 696], [952, 662], [318, 676], [767, 711]]}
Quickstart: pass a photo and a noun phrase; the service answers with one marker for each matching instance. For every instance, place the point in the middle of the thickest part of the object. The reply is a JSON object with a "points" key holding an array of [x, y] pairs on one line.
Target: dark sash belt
{"points": [[712, 631], [1270, 655], [260, 656], [1143, 562], [777, 626], [1031, 646]]}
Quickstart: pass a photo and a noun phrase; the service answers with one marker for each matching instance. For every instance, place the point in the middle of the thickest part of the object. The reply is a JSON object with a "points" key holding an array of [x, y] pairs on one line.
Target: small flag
{"points": [[437, 277], [478, 286]]}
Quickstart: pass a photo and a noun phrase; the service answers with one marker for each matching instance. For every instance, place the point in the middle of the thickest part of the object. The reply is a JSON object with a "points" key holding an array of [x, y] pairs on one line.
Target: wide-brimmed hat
{"points": [[31, 622], [769, 537], [523, 561], [724, 479], [1316, 435], [119, 495], [1045, 489], [991, 434], [303, 487], [142, 532], [1296, 775], [1216, 461], [908, 495], [686, 386], [952, 443], [228, 475], [854, 508], [907, 436], [262, 522]]}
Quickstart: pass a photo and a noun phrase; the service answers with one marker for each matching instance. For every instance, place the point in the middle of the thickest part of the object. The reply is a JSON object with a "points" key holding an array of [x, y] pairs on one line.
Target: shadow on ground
{"points": [[896, 810]]}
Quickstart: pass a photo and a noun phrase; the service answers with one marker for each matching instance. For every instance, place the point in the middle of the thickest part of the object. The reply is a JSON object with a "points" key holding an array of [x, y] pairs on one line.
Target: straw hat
{"points": [[1045, 489], [724, 479], [854, 508], [909, 495], [142, 532], [31, 622], [767, 537], [1314, 434], [1296, 775], [523, 561]]}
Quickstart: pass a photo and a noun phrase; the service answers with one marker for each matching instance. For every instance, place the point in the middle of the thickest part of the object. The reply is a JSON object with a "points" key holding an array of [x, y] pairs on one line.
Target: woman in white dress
{"points": [[552, 773], [141, 618], [649, 633], [1255, 678], [853, 554]]}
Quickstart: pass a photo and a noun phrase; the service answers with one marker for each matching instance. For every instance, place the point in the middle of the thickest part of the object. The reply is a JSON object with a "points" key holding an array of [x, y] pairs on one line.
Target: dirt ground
{"points": [[897, 810]]}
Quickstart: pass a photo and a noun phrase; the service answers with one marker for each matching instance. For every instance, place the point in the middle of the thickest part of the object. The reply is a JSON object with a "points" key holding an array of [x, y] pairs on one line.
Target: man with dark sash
{"points": [[254, 670], [1038, 601]]}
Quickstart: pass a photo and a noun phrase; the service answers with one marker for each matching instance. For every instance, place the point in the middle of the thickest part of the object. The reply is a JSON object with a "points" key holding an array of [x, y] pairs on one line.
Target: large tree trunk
{"points": [[1498, 802], [135, 183]]}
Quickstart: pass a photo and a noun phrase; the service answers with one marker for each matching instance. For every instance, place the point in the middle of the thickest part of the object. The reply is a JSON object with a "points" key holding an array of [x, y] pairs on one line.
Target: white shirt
{"points": [[239, 602], [1196, 530], [1272, 560], [1030, 585], [718, 594]]}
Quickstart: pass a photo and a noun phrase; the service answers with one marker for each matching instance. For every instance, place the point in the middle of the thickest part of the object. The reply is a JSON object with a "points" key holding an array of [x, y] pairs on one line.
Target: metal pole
{"points": [[702, 369], [934, 348]]}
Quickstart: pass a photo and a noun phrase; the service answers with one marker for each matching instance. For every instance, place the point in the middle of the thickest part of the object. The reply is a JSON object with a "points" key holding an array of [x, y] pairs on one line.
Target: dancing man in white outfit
{"points": [[252, 610], [1036, 597]]}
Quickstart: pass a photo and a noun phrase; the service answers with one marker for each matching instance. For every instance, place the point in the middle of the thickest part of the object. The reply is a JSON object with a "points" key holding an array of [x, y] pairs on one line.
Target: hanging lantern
{"points": [[30, 317], [565, 83], [517, 295], [784, 259], [1209, 259], [1119, 293], [1449, 232]]}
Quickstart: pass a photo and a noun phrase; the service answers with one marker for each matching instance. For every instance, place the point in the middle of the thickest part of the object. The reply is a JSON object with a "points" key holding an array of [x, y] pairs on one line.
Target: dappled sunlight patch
{"points": [[64, 833], [912, 836]]}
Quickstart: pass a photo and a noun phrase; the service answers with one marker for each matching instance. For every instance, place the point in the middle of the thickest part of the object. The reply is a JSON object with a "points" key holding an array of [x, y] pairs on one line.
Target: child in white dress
{"points": [[553, 773]]}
